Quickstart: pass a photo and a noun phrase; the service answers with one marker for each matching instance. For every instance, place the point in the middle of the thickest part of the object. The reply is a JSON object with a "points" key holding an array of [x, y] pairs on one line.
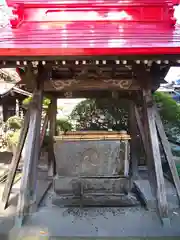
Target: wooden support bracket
{"points": [[142, 126], [154, 146], [27, 196], [167, 151], [15, 161]]}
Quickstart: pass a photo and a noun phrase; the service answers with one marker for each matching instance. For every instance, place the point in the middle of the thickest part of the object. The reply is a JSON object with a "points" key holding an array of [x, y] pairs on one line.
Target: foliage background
{"points": [[101, 114], [106, 114]]}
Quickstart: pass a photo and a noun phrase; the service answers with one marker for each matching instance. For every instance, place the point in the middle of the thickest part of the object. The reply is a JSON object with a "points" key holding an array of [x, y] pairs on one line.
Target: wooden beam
{"points": [[154, 146], [27, 196], [52, 133], [105, 136], [167, 151], [94, 132], [98, 94], [85, 84], [15, 161]]}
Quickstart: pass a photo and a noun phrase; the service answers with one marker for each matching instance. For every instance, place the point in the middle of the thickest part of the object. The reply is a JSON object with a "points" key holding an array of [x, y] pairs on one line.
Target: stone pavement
{"points": [[52, 221], [99, 222]]}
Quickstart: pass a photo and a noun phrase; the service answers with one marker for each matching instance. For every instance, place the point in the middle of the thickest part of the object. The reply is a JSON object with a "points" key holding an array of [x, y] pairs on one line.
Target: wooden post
{"points": [[27, 195], [167, 151], [52, 132], [152, 136], [15, 161], [1, 113], [17, 108], [140, 126], [143, 129], [44, 127], [133, 141], [1, 123], [126, 158]]}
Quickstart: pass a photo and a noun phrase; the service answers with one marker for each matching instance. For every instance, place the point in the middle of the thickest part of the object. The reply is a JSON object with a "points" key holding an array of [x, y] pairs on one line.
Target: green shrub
{"points": [[170, 113], [104, 114], [101, 114], [26, 102], [13, 123], [63, 125], [12, 139], [46, 102]]}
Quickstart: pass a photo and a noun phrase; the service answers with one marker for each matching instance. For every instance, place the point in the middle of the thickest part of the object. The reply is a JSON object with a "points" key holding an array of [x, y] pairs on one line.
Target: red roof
{"points": [[51, 28]]}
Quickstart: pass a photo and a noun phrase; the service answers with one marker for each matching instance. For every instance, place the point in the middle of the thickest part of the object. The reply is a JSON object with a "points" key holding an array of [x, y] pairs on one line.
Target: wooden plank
{"points": [[167, 151], [52, 132], [91, 137], [92, 133], [15, 161], [154, 144], [28, 181]]}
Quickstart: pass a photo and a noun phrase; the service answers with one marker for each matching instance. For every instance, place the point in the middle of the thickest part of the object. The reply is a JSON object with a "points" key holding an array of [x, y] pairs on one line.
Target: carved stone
{"points": [[91, 170], [89, 158]]}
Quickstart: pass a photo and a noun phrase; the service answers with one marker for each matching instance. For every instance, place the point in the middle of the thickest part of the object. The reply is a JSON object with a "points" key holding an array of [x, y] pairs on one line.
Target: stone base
{"points": [[95, 200], [79, 186], [93, 191]]}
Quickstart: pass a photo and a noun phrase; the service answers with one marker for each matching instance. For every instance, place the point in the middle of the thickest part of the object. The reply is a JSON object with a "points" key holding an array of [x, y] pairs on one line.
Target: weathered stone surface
{"points": [[89, 173], [81, 186], [100, 185], [91, 158], [67, 185], [120, 200]]}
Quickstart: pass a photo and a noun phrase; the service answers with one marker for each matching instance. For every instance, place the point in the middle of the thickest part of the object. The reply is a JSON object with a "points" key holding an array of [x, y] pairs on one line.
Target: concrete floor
{"points": [[99, 222], [57, 222], [54, 221]]}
